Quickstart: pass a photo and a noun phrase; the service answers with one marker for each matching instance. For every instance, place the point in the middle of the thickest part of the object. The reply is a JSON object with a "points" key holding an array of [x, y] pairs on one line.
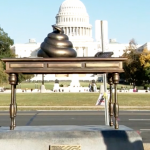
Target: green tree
{"points": [[5, 43], [24, 77], [3, 75], [5, 52], [145, 62], [132, 66]]}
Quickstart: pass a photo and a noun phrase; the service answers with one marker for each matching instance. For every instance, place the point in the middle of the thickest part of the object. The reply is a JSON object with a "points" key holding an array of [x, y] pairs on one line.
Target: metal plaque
{"points": [[64, 147]]}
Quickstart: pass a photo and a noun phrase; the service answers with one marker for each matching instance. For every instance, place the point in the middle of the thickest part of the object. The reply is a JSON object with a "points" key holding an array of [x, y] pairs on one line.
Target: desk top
{"points": [[78, 65]]}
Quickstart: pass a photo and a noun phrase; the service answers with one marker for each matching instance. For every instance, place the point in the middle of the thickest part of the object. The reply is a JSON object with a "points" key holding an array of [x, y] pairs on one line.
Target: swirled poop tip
{"points": [[56, 44]]}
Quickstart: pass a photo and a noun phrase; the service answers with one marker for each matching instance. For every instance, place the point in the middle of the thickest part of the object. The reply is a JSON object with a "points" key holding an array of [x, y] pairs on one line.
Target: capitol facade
{"points": [[75, 21]]}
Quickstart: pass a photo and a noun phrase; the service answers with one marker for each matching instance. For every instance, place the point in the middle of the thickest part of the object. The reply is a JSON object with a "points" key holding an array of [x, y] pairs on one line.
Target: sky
{"points": [[25, 19]]}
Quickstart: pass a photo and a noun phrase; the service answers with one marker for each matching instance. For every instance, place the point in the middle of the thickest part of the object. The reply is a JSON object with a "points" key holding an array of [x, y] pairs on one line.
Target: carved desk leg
{"points": [[15, 105], [116, 105], [110, 82], [12, 81]]}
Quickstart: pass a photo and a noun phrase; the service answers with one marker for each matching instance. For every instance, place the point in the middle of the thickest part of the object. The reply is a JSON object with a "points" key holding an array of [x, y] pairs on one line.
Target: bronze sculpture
{"points": [[57, 44]]}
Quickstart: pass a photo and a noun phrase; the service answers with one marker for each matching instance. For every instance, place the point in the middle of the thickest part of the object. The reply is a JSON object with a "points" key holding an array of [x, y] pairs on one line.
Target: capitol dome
{"points": [[74, 19], [72, 11], [72, 7]]}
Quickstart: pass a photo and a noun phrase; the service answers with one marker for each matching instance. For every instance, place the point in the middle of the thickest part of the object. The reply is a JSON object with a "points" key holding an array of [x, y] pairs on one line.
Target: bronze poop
{"points": [[57, 44]]}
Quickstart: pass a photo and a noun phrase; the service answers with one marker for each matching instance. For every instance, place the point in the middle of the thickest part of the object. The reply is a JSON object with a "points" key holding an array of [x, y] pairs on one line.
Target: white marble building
{"points": [[29, 49]]}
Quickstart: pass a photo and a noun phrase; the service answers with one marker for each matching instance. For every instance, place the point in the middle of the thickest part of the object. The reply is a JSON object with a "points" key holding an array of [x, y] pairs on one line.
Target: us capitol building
{"points": [[74, 19]]}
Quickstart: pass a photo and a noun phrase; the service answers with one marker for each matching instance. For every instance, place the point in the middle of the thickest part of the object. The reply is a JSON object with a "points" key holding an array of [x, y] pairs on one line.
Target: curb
{"points": [[127, 107]]}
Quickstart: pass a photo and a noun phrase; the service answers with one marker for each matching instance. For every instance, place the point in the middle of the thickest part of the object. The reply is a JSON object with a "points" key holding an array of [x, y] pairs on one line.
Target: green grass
{"points": [[73, 99], [49, 85]]}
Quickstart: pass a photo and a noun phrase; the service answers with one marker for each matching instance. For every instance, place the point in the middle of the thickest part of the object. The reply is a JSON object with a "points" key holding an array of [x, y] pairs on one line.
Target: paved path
{"points": [[137, 120]]}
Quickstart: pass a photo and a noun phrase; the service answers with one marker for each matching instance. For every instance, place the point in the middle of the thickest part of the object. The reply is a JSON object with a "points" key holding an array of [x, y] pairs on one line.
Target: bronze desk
{"points": [[79, 65]]}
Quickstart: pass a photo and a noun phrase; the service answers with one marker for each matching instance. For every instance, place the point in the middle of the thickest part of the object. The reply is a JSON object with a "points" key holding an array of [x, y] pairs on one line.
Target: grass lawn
{"points": [[73, 99], [50, 85]]}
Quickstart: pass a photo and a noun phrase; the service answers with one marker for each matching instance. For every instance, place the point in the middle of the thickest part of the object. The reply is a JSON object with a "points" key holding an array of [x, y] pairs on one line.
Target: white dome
{"points": [[72, 7], [74, 19], [72, 11]]}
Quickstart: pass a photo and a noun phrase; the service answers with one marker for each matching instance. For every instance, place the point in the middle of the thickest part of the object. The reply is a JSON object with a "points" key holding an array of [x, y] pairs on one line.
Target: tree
{"points": [[132, 66], [3, 75], [24, 77], [145, 62], [5, 43], [6, 52]]}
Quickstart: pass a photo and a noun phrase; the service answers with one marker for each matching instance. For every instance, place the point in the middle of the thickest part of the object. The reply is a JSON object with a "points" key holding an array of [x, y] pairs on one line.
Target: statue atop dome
{"points": [[57, 44]]}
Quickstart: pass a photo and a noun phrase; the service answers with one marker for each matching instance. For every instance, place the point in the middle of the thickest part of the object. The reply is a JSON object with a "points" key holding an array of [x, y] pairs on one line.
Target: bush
{"points": [[61, 85], [146, 86]]}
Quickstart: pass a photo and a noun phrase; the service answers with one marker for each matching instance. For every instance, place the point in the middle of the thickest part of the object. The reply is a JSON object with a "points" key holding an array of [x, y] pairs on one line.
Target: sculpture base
{"points": [[56, 87], [65, 137]]}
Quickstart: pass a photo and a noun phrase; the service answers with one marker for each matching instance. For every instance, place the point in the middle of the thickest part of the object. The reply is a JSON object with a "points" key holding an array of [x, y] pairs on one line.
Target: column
{"points": [[67, 30], [86, 31], [73, 30], [83, 51], [110, 82], [77, 30], [90, 32], [77, 51], [116, 105], [64, 30], [82, 31], [13, 106]]}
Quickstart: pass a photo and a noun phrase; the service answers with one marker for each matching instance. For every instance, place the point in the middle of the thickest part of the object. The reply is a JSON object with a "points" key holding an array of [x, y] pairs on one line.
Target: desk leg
{"points": [[12, 81], [110, 82], [116, 105], [15, 105]]}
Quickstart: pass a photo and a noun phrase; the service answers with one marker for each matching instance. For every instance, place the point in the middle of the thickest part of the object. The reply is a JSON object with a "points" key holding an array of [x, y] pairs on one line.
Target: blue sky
{"points": [[25, 19]]}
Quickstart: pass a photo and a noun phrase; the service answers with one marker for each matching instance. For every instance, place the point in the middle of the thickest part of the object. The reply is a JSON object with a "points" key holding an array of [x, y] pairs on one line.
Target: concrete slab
{"points": [[69, 138]]}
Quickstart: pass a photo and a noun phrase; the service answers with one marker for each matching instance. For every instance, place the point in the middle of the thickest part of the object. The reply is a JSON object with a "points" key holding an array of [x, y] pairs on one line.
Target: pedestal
{"points": [[42, 89], [75, 81], [69, 137], [56, 87]]}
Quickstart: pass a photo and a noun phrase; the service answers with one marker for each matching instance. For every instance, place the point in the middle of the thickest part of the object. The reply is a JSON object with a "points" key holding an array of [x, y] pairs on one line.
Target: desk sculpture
{"points": [[59, 57]]}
